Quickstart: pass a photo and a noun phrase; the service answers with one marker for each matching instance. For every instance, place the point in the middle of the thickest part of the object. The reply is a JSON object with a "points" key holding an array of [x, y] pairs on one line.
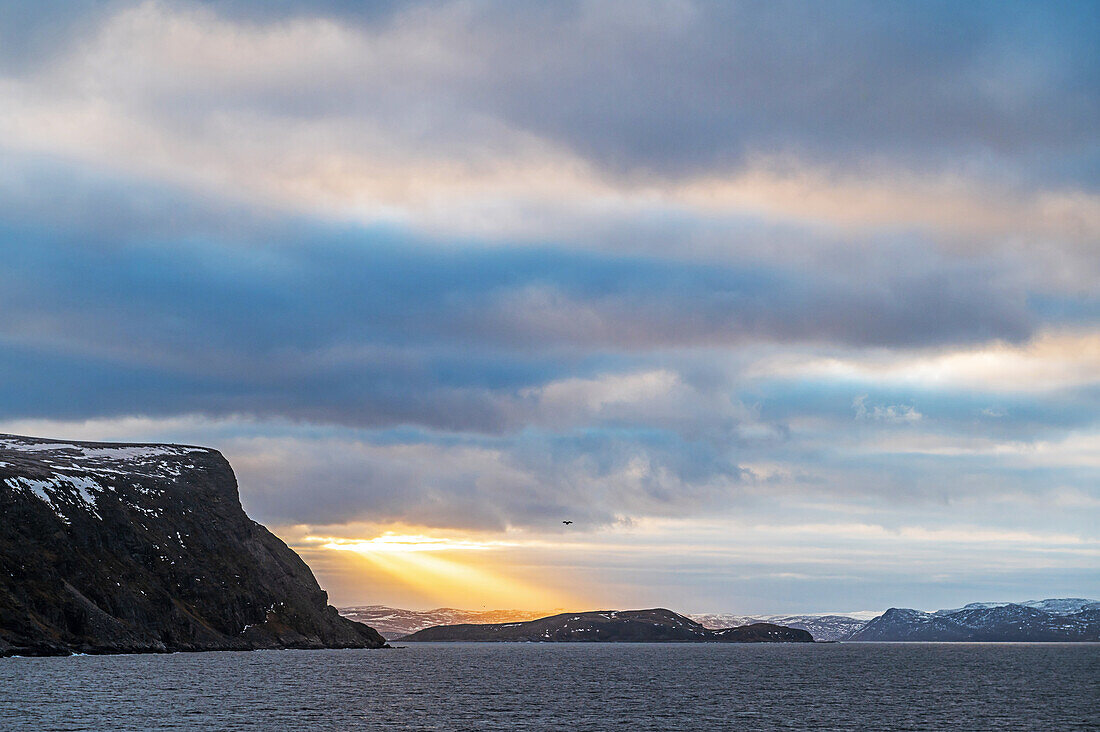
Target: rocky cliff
{"points": [[111, 548], [637, 626]]}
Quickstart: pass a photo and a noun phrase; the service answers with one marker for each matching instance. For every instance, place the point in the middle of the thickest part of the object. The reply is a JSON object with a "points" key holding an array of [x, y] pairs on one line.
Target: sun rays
{"points": [[447, 571]]}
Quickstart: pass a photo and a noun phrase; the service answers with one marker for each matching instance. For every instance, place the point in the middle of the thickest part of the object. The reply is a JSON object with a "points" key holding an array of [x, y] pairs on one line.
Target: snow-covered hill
{"points": [[1054, 606], [1069, 619], [822, 627]]}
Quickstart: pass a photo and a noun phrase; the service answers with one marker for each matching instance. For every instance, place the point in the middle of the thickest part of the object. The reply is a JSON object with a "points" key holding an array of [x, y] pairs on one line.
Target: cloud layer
{"points": [[477, 266]]}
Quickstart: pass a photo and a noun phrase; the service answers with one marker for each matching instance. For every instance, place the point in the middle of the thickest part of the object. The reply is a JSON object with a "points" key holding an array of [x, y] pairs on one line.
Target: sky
{"points": [[788, 307]]}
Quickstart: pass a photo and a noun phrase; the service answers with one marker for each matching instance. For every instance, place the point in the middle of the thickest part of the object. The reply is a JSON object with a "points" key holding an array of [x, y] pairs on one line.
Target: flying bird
{"points": [[567, 522]]}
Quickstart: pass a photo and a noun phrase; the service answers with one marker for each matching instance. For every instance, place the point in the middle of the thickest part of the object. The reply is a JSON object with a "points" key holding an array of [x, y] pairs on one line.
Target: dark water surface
{"points": [[566, 686]]}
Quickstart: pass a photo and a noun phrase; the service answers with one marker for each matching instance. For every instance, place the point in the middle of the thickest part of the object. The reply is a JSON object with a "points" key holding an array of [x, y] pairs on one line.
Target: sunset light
{"points": [[390, 543], [445, 571], [461, 325]]}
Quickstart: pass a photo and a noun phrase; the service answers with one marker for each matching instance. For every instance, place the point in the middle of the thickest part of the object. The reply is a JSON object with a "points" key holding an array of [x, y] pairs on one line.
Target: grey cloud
{"points": [[334, 327], [1005, 90], [678, 88], [595, 477], [138, 299]]}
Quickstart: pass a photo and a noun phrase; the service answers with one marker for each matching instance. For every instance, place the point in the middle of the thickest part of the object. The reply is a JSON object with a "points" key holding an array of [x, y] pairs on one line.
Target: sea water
{"points": [[486, 686]]}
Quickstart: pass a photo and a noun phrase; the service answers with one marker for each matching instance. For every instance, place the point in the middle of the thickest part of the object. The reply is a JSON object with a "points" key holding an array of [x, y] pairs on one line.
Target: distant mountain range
{"points": [[395, 623], [822, 627], [1037, 620], [610, 626], [1063, 606], [1061, 619]]}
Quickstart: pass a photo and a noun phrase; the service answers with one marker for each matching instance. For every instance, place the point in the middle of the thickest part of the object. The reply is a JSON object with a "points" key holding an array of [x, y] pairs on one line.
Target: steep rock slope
{"points": [[111, 548], [657, 625]]}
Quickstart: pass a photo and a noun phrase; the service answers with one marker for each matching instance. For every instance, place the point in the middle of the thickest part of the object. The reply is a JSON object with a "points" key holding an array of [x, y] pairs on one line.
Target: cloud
{"points": [[437, 116], [210, 307], [482, 485], [481, 265], [1053, 359], [902, 413]]}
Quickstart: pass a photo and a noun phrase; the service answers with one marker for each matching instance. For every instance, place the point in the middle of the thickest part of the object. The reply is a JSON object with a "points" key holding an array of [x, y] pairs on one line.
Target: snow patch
{"points": [[60, 491], [131, 452], [38, 488]]}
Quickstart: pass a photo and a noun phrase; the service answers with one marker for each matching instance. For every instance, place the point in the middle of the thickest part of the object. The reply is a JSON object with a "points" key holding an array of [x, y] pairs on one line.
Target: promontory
{"points": [[125, 548]]}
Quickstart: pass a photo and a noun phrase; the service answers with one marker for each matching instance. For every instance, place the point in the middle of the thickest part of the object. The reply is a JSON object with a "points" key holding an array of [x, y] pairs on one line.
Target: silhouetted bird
{"points": [[567, 522]]}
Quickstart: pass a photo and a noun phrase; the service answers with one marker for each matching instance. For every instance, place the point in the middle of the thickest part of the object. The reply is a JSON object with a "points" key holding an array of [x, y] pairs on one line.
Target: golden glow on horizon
{"points": [[450, 571], [392, 542]]}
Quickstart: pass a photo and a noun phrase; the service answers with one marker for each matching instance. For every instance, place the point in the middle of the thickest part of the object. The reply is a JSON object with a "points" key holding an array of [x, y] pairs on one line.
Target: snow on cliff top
{"points": [[70, 477], [96, 450]]}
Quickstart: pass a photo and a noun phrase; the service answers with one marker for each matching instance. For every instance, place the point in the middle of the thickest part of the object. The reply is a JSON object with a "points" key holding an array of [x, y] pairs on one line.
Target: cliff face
{"points": [[110, 548], [611, 626]]}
